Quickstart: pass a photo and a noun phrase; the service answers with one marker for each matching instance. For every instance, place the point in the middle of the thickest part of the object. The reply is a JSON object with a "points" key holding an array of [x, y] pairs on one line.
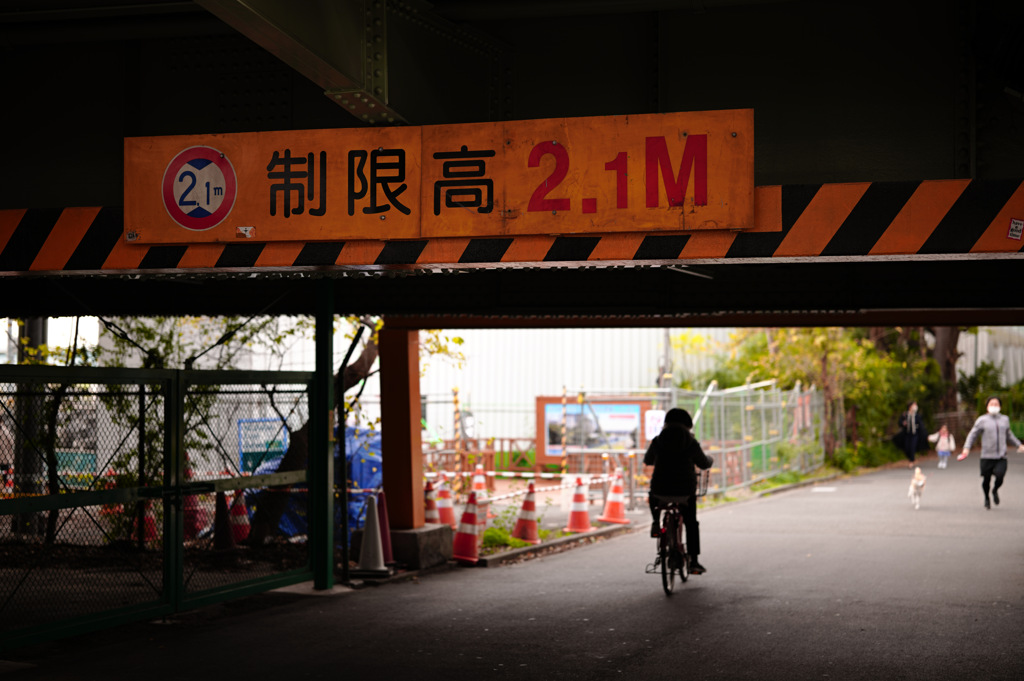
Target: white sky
{"points": [[59, 333]]}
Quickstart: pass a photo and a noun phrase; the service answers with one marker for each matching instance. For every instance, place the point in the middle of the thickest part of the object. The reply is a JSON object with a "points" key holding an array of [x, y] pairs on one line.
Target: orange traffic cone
{"points": [[431, 515], [526, 525], [445, 509], [223, 537], [480, 483], [464, 548], [239, 518], [480, 489], [579, 519], [614, 507], [149, 532], [193, 516]]}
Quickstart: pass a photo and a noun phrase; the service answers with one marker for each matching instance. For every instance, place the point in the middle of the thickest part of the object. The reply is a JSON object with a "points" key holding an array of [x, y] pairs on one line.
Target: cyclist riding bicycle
{"points": [[674, 452]]}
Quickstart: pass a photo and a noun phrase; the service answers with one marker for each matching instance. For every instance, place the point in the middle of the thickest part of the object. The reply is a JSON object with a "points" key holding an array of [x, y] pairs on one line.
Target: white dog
{"points": [[916, 488]]}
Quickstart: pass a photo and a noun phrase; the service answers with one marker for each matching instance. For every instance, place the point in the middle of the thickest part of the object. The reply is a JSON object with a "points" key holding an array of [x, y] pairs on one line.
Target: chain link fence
{"points": [[132, 493], [756, 431]]}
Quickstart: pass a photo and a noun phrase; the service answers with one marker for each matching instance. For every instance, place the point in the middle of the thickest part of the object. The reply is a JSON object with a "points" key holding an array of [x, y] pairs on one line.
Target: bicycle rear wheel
{"points": [[667, 551], [684, 559]]}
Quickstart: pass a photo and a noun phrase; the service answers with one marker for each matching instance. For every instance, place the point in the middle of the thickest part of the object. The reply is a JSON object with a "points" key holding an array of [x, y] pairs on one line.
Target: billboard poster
{"points": [[599, 425]]}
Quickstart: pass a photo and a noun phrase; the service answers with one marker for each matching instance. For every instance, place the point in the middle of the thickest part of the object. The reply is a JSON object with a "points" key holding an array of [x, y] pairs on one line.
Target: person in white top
{"points": [[995, 433], [944, 444]]}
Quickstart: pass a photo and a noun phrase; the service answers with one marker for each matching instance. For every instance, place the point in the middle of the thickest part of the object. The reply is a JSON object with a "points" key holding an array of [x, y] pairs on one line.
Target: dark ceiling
{"points": [[926, 94]]}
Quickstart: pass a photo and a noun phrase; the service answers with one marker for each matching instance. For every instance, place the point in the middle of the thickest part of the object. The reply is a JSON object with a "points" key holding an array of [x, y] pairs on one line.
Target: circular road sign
{"points": [[199, 188]]}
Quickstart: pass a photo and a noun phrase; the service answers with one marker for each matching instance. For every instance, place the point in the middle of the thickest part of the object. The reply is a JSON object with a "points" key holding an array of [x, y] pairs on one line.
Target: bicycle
{"points": [[672, 559]]}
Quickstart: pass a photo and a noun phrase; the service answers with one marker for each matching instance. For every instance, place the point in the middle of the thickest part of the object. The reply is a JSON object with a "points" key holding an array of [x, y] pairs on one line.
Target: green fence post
{"points": [[321, 459], [174, 456]]}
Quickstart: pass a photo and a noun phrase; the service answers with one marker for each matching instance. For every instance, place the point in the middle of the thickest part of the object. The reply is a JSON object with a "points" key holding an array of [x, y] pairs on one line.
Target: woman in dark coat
{"points": [[911, 431], [674, 452]]}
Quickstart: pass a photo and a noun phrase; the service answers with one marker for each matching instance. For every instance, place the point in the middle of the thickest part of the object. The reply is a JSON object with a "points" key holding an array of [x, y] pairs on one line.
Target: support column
{"points": [[321, 441], [400, 426]]}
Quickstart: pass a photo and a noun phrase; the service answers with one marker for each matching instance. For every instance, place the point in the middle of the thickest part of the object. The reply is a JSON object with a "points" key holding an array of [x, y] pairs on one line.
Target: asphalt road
{"points": [[844, 580]]}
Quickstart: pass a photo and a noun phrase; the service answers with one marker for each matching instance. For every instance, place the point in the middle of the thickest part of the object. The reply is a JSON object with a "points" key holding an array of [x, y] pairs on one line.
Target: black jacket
{"points": [[674, 453], [907, 419]]}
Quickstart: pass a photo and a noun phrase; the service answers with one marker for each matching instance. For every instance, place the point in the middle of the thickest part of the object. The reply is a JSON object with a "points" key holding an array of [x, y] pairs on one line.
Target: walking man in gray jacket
{"points": [[995, 433]]}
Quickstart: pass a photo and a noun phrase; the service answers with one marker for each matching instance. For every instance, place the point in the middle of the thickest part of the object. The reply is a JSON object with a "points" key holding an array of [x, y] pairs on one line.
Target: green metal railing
{"points": [[153, 512]]}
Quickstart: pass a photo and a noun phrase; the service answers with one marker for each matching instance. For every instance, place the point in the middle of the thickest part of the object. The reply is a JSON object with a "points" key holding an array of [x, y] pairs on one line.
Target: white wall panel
{"points": [[506, 370]]}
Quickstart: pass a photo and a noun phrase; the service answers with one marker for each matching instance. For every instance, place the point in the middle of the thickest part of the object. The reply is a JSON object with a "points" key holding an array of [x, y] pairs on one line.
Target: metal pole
{"points": [[341, 476], [29, 405], [321, 458], [565, 417], [746, 440], [704, 400], [175, 389], [580, 433], [140, 506]]}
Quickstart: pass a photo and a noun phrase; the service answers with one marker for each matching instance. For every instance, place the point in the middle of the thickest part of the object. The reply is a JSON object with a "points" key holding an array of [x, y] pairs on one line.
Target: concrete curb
{"points": [[497, 559]]}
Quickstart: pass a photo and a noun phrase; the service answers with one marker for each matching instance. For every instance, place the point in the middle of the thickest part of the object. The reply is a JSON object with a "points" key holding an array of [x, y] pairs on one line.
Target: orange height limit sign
{"points": [[646, 173]]}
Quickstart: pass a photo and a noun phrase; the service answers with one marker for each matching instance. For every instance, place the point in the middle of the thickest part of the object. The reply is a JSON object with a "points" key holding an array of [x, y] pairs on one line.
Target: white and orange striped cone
{"points": [[430, 515], [480, 489], [371, 550], [465, 548], [239, 518], [615, 507], [193, 517], [479, 483], [149, 531], [526, 524], [579, 519], [445, 508]]}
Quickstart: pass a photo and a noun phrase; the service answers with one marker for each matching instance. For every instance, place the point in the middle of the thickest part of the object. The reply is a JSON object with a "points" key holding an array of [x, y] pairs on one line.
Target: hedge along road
{"points": [[844, 580]]}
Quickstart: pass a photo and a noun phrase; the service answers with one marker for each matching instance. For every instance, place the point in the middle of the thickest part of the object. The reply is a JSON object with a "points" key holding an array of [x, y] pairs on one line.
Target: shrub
{"points": [[850, 457]]}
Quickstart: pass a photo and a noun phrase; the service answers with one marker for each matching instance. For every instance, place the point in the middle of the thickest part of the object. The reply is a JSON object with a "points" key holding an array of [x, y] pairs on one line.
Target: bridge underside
{"points": [[864, 292]]}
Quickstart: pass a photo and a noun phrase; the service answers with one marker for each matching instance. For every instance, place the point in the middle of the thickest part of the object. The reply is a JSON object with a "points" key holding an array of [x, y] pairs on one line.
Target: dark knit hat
{"points": [[678, 416]]}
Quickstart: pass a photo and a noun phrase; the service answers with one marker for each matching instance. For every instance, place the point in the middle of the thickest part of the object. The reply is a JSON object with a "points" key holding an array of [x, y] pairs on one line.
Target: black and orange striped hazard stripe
{"points": [[849, 221]]}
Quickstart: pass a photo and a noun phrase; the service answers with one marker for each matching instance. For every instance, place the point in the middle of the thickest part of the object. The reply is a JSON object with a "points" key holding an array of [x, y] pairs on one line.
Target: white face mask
{"points": [[993, 410]]}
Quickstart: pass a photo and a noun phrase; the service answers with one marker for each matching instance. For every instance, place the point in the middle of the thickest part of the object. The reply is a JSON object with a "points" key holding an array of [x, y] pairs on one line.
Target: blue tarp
{"points": [[363, 465], [363, 453]]}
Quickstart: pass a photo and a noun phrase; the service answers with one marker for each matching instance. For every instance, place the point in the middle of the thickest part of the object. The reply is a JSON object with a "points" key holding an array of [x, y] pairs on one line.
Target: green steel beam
{"points": [[321, 456]]}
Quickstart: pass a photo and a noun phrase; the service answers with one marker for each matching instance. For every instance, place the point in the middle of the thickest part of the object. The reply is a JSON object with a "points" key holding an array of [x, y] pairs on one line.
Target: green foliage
{"points": [[499, 534], [51, 355], [850, 457], [835, 359], [495, 537], [874, 384], [435, 344], [986, 381], [214, 342], [506, 519], [171, 342], [784, 478], [788, 452]]}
